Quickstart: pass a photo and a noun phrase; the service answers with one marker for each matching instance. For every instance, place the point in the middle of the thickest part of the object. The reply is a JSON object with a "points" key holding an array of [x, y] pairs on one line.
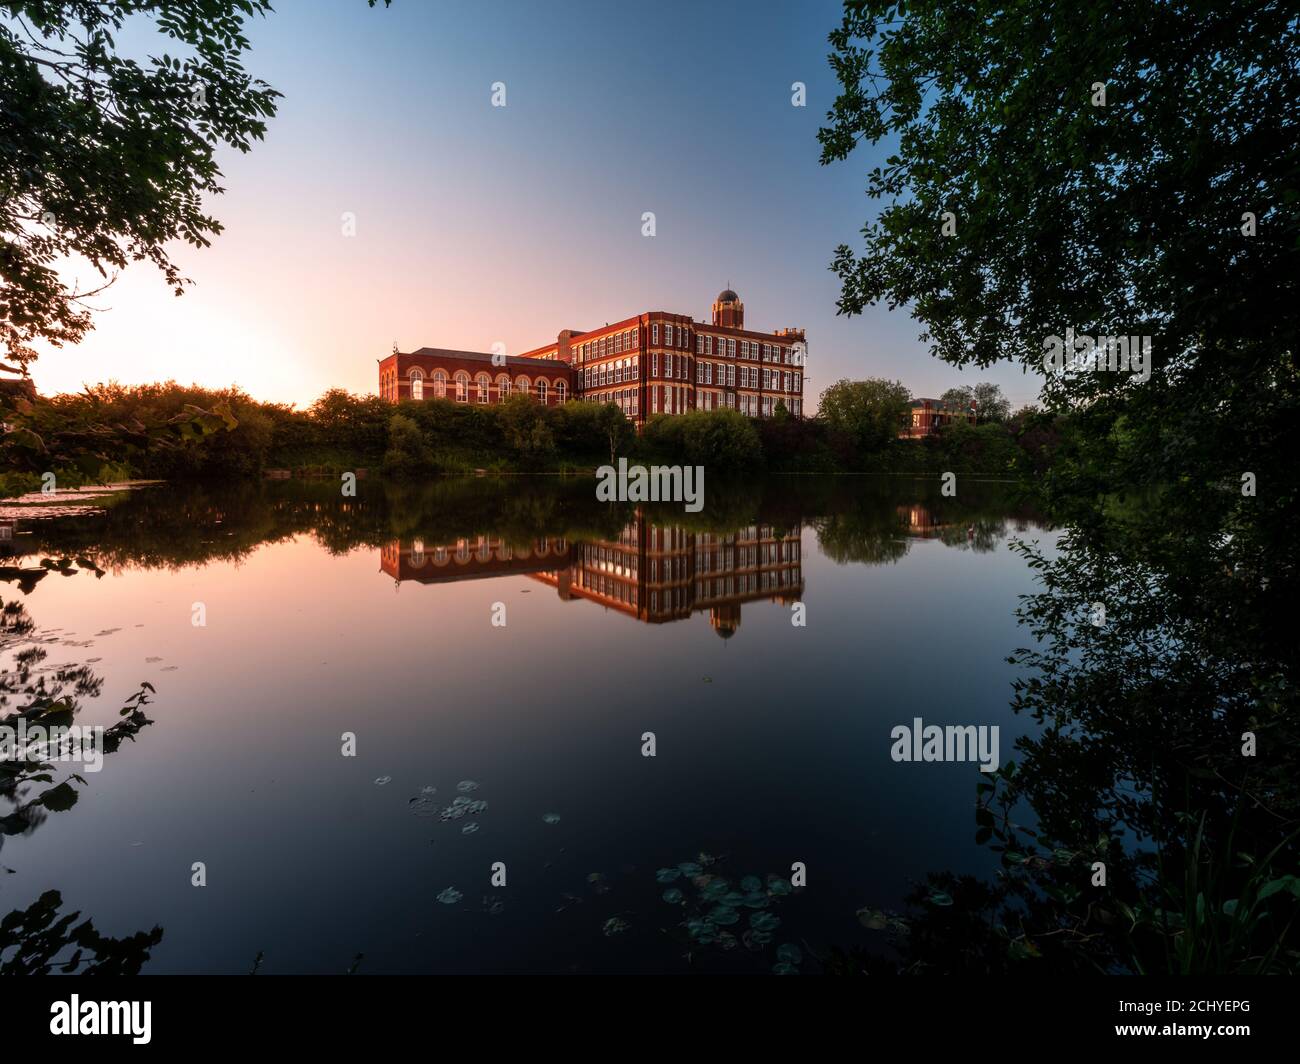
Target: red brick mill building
{"points": [[652, 363]]}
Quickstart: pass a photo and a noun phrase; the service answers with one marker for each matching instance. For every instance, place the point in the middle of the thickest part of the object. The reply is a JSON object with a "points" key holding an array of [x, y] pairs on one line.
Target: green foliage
{"points": [[724, 441], [107, 157], [1128, 218], [407, 454], [870, 412]]}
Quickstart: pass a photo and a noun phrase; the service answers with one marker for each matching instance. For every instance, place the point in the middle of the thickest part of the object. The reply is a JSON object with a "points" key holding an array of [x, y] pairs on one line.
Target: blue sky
{"points": [[477, 224]]}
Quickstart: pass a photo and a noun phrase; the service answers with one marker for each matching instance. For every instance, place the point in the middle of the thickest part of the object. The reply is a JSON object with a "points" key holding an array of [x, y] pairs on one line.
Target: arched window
{"points": [[417, 384], [417, 553], [559, 391], [523, 384], [439, 384], [462, 387], [484, 383], [503, 388], [541, 391]]}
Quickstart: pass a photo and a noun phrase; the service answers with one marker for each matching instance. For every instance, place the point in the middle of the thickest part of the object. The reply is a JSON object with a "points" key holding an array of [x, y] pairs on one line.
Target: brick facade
{"points": [[653, 363]]}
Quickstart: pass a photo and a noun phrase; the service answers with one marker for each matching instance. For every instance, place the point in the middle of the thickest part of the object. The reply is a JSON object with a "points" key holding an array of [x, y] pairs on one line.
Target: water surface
{"points": [[374, 616]]}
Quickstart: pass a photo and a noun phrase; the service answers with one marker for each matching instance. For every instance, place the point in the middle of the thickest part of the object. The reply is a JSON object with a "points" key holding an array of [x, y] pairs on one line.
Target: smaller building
{"points": [[929, 416], [472, 377]]}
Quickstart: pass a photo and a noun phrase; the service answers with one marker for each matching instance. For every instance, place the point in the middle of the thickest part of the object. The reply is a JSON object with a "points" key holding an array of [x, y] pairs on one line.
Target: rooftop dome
{"points": [[727, 296]]}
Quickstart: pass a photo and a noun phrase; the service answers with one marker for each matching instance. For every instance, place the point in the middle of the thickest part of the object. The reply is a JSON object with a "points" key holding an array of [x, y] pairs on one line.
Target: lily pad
{"points": [[750, 884], [470, 828], [784, 968], [550, 818], [465, 786], [673, 896], [724, 916], [703, 931], [689, 868], [450, 896], [764, 921], [941, 899], [714, 890], [778, 886], [614, 926], [382, 780], [668, 875]]}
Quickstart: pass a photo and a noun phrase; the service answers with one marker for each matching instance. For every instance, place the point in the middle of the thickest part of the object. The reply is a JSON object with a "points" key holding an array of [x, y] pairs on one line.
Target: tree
{"points": [[870, 412], [990, 404], [959, 398], [523, 420], [1149, 191], [105, 159], [1126, 170], [615, 428]]}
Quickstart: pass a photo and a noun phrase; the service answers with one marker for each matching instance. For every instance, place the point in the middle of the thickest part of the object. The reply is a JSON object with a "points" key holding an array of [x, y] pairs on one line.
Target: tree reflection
{"points": [[40, 939], [1151, 825]]}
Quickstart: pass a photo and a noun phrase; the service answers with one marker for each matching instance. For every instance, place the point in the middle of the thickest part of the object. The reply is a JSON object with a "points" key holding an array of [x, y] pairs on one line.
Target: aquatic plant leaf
{"points": [[724, 916], [789, 953]]}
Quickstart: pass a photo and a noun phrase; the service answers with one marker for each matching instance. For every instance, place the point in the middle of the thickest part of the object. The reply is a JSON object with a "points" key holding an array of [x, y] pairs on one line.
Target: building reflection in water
{"points": [[654, 573]]}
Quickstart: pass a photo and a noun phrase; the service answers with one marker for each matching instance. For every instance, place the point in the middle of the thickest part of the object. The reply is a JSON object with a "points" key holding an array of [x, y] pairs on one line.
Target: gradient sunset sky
{"points": [[477, 224]]}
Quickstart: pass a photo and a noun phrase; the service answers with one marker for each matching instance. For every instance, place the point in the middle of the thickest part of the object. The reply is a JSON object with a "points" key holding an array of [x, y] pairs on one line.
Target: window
{"points": [[439, 384], [417, 384], [654, 333], [484, 384], [731, 378], [708, 373], [668, 364], [767, 378], [731, 348], [523, 384], [541, 391], [559, 391], [636, 368], [654, 364], [462, 386], [699, 345], [636, 338], [503, 388]]}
